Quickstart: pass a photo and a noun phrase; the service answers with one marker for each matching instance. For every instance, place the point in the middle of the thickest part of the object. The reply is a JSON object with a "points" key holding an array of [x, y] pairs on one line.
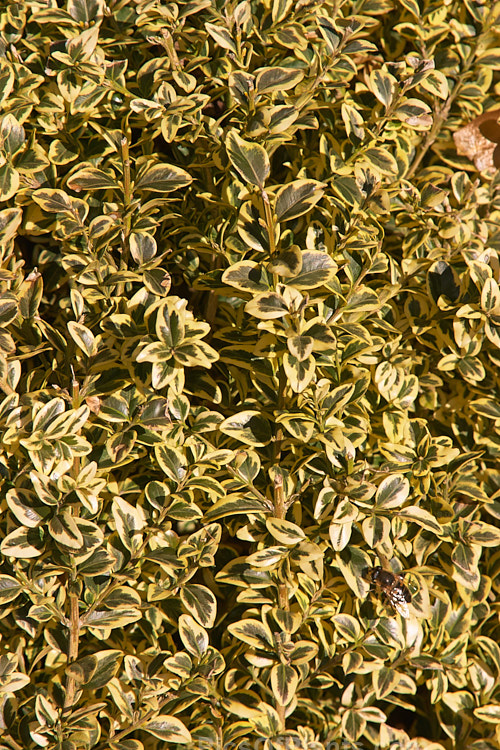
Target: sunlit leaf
{"points": [[249, 159], [297, 198], [163, 178], [168, 728]]}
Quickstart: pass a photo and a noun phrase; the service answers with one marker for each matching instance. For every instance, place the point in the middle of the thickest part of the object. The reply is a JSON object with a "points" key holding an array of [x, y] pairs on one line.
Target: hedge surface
{"points": [[249, 353]]}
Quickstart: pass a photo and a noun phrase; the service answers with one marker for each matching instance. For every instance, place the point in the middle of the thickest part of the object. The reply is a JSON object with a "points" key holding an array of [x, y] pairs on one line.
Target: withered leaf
{"points": [[479, 140]]}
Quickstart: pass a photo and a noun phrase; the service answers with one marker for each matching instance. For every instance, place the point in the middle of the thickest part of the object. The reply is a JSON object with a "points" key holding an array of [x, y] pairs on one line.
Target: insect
{"points": [[394, 588]]}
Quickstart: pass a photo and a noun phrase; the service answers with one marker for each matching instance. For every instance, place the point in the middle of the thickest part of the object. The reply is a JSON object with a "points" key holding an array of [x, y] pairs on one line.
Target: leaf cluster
{"points": [[249, 350]]}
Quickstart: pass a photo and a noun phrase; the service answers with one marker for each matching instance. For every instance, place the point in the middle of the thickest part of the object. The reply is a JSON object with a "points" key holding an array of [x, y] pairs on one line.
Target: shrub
{"points": [[249, 350]]}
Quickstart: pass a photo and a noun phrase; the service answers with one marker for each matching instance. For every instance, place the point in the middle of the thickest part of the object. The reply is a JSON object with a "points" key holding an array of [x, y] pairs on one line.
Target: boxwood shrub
{"points": [[249, 352]]}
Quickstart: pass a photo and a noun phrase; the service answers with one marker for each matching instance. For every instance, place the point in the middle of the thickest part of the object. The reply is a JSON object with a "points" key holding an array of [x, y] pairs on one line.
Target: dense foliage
{"points": [[249, 349]]}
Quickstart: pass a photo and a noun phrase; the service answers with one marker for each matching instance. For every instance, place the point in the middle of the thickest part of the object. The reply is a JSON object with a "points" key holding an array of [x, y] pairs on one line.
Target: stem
{"points": [[169, 47], [269, 223], [279, 498], [280, 512], [264, 500], [75, 390], [74, 634], [127, 194], [75, 403], [127, 197], [132, 727], [432, 135], [11, 742], [219, 723]]}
